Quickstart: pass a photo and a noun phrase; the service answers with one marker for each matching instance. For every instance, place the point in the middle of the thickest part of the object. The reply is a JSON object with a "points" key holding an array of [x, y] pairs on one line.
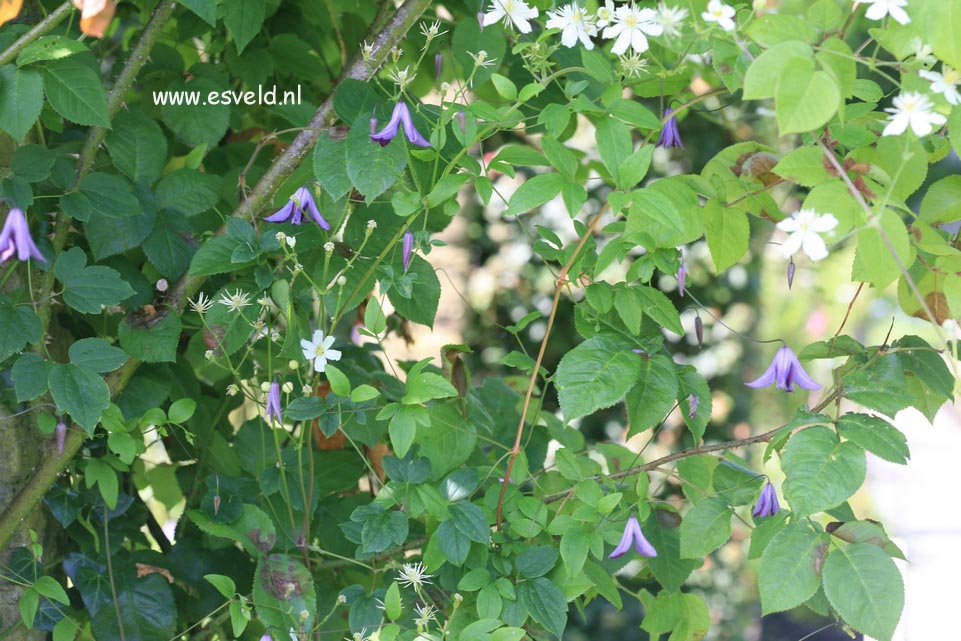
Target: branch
{"points": [[285, 164], [52, 20]]}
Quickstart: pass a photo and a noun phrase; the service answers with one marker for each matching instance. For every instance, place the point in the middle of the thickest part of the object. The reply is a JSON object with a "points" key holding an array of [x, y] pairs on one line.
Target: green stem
{"points": [[52, 20]]}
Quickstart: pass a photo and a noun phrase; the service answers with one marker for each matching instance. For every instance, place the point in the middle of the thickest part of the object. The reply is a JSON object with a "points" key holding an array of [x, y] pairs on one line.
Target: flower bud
{"points": [[408, 248], [480, 19], [681, 279], [288, 387], [693, 401], [438, 64], [265, 387], [699, 330], [61, 435], [373, 126], [162, 285], [293, 364], [341, 280], [216, 503], [790, 273]]}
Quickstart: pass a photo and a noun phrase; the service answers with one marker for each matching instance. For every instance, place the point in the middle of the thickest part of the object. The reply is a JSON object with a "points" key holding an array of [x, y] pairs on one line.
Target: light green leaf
{"points": [[762, 76], [392, 603], [706, 527], [876, 436], [655, 394], [940, 20], [805, 99], [224, 584], [728, 233], [614, 143], [596, 374], [866, 588], [942, 201], [243, 21], [788, 575], [427, 386], [535, 192], [821, 471]]}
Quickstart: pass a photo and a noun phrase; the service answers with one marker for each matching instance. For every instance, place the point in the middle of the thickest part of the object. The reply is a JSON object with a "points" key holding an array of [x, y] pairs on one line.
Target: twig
{"points": [[561, 281]]}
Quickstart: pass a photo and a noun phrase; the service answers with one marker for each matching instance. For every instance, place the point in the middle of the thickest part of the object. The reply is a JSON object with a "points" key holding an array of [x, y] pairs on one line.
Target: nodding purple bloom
{"points": [[692, 402], [670, 137], [785, 370], [293, 211], [408, 248], [438, 64], [699, 330], [400, 116], [61, 436], [15, 238], [767, 504], [681, 279], [633, 537], [790, 273], [273, 403], [266, 637]]}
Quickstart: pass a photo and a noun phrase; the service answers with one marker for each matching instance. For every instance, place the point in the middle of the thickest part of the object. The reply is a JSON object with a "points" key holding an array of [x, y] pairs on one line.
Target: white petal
{"points": [[876, 11], [824, 223], [792, 244], [921, 123], [569, 36], [814, 247], [328, 342], [898, 125], [727, 24], [639, 42], [622, 42], [318, 336], [332, 354], [789, 225], [899, 14], [320, 363]]}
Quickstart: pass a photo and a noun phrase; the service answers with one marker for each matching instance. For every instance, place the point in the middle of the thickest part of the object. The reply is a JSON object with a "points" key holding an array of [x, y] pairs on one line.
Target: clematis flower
{"points": [[945, 83], [881, 8], [767, 504], [670, 18], [95, 15], [273, 403], [670, 136], [629, 26], [400, 116], [293, 211], [605, 14], [15, 238], [317, 350], [912, 108], [408, 250], [785, 370], [516, 13], [633, 537], [575, 24], [720, 13], [805, 227]]}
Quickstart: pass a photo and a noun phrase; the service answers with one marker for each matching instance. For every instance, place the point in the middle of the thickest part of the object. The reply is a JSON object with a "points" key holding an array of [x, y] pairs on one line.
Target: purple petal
{"points": [[627, 538], [311, 207], [282, 214], [408, 248], [681, 279], [670, 136], [15, 238], [410, 131], [764, 379], [273, 403], [385, 135]]}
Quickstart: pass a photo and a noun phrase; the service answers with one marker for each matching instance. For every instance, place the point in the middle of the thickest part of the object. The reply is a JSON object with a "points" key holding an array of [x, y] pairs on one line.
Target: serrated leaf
{"points": [[97, 355], [21, 100], [822, 472], [788, 574], [75, 91], [79, 392], [865, 587], [727, 232], [596, 374], [654, 395], [875, 435], [706, 527]]}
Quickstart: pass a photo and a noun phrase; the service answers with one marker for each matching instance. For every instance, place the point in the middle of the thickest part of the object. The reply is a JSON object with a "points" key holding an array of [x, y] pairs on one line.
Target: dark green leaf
{"points": [[75, 91], [96, 354], [865, 587], [536, 561], [137, 146], [470, 521], [20, 326], [876, 436], [86, 289], [30, 374], [79, 392], [330, 164], [596, 374], [167, 246], [21, 99], [421, 306], [372, 168], [153, 342], [546, 604], [188, 191], [243, 21]]}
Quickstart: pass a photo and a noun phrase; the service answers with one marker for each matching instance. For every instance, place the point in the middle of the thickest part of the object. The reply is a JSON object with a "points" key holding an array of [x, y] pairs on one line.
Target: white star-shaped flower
{"points": [[515, 12], [575, 24], [670, 18], [629, 26], [912, 108], [881, 8], [945, 83], [605, 14], [720, 13], [805, 228], [317, 350]]}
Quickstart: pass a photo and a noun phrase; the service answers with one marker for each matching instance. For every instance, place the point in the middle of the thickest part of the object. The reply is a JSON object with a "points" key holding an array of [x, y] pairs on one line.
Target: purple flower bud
{"points": [[692, 402], [633, 537], [373, 126], [462, 120], [790, 273], [699, 330], [480, 19], [61, 436], [639, 351], [670, 136], [408, 248], [216, 504], [266, 637], [767, 504], [273, 404], [293, 211], [681, 279], [400, 116], [15, 238], [438, 64], [785, 370]]}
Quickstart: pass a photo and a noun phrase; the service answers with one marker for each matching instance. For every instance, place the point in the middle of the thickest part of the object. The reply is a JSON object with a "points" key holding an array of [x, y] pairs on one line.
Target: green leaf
{"points": [[761, 79], [27, 605], [879, 385], [927, 364], [659, 307], [372, 168], [865, 587], [75, 91], [79, 392], [654, 395], [32, 163], [470, 521], [153, 343], [330, 165], [49, 587], [706, 527], [940, 20], [181, 410], [167, 246], [20, 326], [508, 634], [596, 374], [137, 146], [668, 567], [145, 606], [822, 472], [403, 427], [536, 561], [188, 191], [614, 143], [876, 436], [206, 10], [30, 374], [87, 288], [728, 233], [546, 604], [196, 124], [105, 477], [339, 383], [110, 195], [788, 575], [383, 531], [453, 544], [574, 546], [534, 192], [283, 588], [686, 615], [243, 21], [392, 603], [803, 166], [21, 100], [96, 354], [427, 386], [421, 306], [50, 48], [693, 384], [214, 257], [224, 584], [805, 99]]}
